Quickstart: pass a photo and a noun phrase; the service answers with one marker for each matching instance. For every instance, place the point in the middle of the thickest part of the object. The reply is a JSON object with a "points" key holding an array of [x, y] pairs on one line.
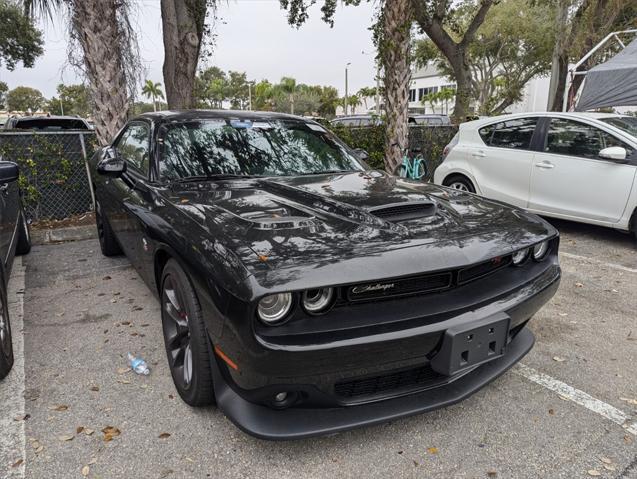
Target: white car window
{"points": [[568, 137], [514, 134]]}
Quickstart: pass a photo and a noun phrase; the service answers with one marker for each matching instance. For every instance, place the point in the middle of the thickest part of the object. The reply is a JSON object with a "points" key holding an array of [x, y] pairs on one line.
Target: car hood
{"points": [[348, 227]]}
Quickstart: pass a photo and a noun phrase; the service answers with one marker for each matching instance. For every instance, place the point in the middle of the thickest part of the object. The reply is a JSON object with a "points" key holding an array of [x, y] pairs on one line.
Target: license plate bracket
{"points": [[471, 344]]}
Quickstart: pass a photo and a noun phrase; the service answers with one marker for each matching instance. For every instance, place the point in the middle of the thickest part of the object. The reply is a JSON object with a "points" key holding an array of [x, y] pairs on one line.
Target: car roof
{"points": [[184, 115], [562, 114], [47, 117]]}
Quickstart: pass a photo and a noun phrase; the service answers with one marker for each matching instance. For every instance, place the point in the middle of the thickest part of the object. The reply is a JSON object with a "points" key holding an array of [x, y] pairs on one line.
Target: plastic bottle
{"points": [[138, 365]]}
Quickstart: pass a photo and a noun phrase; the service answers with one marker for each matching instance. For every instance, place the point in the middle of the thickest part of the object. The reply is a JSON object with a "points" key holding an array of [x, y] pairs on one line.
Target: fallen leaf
{"points": [[92, 461], [609, 467], [605, 460], [79, 430], [95, 388], [629, 401], [39, 449], [123, 381], [106, 278], [164, 435], [628, 439], [432, 450], [86, 470], [492, 473], [123, 370], [110, 432], [88, 432], [594, 472], [578, 285], [552, 412], [558, 359], [35, 444], [59, 408], [22, 418], [17, 463], [67, 437], [562, 314]]}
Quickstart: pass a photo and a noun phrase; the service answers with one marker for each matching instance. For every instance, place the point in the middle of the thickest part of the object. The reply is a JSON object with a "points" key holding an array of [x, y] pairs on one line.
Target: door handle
{"points": [[545, 165], [479, 154]]}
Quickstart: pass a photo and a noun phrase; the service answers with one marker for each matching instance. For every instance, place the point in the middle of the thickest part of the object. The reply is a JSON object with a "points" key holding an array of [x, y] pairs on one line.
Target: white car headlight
{"points": [[317, 300], [519, 256], [540, 250], [274, 308]]}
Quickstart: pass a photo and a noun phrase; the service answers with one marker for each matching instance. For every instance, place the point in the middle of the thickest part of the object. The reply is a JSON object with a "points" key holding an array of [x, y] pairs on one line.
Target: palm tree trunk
{"points": [[96, 24], [394, 51], [154, 102]]}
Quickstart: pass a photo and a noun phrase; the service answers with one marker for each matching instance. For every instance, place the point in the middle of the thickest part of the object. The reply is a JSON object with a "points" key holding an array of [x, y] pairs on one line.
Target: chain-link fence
{"points": [[54, 178]]}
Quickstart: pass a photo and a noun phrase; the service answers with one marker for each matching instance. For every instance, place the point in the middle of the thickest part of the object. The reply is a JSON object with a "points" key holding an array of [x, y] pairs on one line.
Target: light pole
{"points": [[249, 96], [346, 100], [377, 96]]}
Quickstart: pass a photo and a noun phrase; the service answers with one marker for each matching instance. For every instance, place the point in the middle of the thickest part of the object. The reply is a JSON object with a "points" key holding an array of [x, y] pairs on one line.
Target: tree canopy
{"points": [[71, 100], [24, 98], [20, 41]]}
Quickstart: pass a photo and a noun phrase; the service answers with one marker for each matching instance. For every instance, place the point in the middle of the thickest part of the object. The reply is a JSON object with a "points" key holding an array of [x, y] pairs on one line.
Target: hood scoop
{"points": [[276, 218], [404, 211]]}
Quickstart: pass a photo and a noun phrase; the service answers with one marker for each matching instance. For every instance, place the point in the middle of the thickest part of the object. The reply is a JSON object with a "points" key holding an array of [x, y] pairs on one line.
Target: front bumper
{"points": [[297, 423]]}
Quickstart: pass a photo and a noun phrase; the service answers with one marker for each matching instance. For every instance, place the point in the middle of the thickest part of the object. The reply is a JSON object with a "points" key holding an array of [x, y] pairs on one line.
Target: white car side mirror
{"points": [[615, 153]]}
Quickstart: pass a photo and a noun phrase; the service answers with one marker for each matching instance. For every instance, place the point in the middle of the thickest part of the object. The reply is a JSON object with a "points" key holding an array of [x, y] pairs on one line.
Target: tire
{"points": [[24, 235], [459, 182], [185, 337], [6, 347], [108, 242]]}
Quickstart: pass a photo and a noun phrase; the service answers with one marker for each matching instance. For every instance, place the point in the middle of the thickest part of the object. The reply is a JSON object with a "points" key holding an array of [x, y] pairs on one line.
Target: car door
{"points": [[501, 163], [569, 179], [130, 190]]}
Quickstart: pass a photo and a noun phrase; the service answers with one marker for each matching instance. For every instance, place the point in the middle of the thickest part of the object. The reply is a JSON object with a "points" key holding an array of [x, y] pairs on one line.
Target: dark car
{"points": [[305, 294], [14, 239], [48, 123], [429, 120], [358, 121]]}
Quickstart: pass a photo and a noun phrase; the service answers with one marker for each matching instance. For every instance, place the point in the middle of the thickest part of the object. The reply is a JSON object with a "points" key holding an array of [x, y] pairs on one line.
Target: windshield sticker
{"points": [[315, 127]]}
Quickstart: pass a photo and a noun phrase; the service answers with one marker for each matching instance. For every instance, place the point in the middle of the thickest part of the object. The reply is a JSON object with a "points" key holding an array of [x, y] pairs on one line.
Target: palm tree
{"points": [[394, 52], [365, 93], [432, 99], [153, 90], [446, 94], [288, 85], [353, 101], [108, 54]]}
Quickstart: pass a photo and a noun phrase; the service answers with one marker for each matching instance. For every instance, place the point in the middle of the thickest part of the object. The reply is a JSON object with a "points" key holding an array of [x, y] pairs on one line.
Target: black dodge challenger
{"points": [[303, 292]]}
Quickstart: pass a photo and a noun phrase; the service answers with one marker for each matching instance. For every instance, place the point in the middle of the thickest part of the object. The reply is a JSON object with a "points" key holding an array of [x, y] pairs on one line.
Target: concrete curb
{"points": [[62, 235]]}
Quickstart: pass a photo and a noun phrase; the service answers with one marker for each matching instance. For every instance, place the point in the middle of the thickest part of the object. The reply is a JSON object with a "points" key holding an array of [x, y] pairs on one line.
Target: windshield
{"points": [[626, 123], [261, 148]]}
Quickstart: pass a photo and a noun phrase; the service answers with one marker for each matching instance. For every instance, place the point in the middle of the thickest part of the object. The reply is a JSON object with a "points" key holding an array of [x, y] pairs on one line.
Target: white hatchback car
{"points": [[575, 166]]}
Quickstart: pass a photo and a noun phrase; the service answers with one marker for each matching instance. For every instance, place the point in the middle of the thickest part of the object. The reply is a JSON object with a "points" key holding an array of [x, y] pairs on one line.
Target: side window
{"points": [[609, 140], [568, 137], [515, 134], [134, 146], [486, 133]]}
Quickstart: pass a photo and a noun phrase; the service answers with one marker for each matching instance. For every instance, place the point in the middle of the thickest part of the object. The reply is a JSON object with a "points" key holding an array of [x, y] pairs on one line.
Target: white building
{"points": [[429, 80]]}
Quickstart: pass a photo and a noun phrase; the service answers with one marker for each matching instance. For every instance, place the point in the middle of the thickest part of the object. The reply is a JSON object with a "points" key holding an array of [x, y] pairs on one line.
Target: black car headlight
{"points": [[519, 256], [317, 300], [540, 250], [275, 307]]}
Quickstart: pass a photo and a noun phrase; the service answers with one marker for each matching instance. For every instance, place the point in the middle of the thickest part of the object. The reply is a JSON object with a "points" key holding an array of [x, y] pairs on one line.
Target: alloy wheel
{"points": [[458, 185], [5, 336], [177, 331]]}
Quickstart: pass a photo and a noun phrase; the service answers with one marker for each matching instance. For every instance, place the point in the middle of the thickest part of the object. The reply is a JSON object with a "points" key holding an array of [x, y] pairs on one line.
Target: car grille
{"points": [[400, 287], [430, 283], [405, 211], [410, 379]]}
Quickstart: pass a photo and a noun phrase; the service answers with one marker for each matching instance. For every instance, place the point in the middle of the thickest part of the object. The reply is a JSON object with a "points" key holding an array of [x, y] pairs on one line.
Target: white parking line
{"points": [[12, 434], [579, 397], [596, 261]]}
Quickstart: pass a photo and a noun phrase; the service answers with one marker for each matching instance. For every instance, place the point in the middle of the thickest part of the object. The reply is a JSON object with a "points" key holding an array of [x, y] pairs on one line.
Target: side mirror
{"points": [[111, 164], [613, 153], [9, 172]]}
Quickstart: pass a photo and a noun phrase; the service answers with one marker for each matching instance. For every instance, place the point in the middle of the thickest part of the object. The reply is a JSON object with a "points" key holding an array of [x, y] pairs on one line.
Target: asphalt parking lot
{"points": [[569, 411]]}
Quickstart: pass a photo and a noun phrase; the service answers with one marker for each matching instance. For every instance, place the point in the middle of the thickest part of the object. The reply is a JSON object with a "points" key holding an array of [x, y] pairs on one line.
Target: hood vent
{"points": [[405, 211]]}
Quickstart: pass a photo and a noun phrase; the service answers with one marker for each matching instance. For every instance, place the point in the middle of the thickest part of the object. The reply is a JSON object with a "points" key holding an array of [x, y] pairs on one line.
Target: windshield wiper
{"points": [[220, 176]]}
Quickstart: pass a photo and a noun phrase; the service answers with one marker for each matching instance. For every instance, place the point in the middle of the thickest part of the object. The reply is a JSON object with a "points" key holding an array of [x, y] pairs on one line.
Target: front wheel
{"points": [[459, 182], [185, 337], [108, 242], [6, 347]]}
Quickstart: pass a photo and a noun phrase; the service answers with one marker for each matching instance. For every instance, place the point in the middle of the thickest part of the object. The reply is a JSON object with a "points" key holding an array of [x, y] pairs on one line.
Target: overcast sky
{"points": [[253, 36]]}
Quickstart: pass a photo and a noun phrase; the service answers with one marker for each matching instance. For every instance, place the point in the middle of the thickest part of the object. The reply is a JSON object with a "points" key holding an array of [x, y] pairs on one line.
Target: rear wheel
{"points": [[108, 242], [6, 347], [185, 337], [23, 245], [459, 182]]}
